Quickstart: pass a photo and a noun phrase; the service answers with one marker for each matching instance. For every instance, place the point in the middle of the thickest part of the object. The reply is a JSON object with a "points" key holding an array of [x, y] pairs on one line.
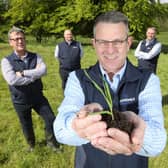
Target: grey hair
{"points": [[111, 17], [153, 28], [15, 29]]}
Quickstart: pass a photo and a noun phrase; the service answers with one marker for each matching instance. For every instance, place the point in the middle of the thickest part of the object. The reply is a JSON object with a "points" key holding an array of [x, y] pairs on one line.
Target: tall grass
{"points": [[12, 143]]}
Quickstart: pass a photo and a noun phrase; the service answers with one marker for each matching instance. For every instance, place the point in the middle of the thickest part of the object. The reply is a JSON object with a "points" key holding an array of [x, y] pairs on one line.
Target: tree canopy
{"points": [[43, 18]]}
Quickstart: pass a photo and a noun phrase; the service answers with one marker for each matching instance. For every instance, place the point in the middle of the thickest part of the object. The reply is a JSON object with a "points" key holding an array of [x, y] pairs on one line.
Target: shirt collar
{"points": [[119, 74], [149, 41], [24, 56], [69, 42]]}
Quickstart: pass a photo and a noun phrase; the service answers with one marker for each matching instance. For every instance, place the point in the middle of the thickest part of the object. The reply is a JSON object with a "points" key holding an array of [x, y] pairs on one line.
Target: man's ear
{"points": [[93, 42], [130, 41], [10, 43]]}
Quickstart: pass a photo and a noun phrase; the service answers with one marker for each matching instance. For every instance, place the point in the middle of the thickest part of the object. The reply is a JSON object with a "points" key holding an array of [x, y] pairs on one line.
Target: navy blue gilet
{"points": [[126, 98], [25, 94], [150, 64], [69, 55]]}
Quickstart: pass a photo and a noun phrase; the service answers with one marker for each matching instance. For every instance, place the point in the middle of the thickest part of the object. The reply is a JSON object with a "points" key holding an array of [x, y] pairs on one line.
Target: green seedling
{"points": [[106, 94]]}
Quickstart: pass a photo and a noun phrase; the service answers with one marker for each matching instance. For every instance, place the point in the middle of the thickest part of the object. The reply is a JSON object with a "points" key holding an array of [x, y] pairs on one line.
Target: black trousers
{"points": [[64, 76], [43, 108], [145, 64]]}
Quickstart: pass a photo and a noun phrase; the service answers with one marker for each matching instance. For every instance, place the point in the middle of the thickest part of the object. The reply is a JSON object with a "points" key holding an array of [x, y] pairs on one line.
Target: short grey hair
{"points": [[15, 29], [111, 17], [153, 28]]}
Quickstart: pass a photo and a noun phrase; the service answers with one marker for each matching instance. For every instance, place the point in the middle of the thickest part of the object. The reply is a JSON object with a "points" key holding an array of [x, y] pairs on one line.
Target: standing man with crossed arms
{"points": [[148, 51], [23, 70]]}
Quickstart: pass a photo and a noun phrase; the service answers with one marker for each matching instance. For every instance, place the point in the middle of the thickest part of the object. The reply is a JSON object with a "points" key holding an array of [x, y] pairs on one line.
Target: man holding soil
{"points": [[136, 93]]}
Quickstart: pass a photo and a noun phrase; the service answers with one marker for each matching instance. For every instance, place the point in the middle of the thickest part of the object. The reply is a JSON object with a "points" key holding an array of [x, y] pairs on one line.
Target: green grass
{"points": [[12, 143]]}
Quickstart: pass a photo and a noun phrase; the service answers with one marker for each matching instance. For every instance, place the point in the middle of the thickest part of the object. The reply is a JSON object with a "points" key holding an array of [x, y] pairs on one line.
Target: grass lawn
{"points": [[12, 143]]}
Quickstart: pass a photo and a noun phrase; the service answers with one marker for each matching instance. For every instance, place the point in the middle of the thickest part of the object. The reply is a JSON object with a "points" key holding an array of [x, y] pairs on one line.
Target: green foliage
{"points": [[108, 5], [142, 14], [75, 15], [51, 17]]}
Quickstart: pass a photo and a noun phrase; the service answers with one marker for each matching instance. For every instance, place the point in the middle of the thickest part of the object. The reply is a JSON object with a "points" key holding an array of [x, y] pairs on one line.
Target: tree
{"points": [[43, 18], [77, 15], [32, 15], [143, 14]]}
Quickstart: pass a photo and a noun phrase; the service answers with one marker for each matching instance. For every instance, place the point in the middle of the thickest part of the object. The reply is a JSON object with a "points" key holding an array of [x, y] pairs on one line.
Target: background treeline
{"points": [[45, 18]]}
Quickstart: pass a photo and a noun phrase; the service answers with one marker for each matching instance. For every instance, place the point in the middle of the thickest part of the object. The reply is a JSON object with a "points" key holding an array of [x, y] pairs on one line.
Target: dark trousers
{"points": [[43, 108], [64, 76], [145, 64]]}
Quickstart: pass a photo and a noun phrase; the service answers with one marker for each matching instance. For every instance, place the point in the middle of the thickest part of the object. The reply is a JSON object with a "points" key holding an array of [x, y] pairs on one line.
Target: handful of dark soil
{"points": [[114, 119], [120, 121]]}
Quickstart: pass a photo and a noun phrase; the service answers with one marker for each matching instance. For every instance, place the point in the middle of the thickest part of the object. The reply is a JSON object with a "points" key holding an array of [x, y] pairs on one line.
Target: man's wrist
{"points": [[22, 73]]}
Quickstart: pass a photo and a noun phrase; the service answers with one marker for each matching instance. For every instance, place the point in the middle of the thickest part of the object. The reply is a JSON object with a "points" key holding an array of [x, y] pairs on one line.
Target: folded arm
{"points": [[39, 71], [148, 55], [28, 76]]}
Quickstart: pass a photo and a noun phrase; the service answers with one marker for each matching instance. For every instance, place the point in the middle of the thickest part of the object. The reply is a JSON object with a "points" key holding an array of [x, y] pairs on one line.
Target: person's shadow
{"points": [[165, 100]]}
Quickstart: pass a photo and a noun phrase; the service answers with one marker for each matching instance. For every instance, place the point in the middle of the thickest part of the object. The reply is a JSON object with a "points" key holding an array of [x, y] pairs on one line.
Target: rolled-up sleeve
{"points": [[150, 109]]}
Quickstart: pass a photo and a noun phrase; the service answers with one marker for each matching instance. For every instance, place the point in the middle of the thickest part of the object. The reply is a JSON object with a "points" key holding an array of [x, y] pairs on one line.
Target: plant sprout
{"points": [[106, 93]]}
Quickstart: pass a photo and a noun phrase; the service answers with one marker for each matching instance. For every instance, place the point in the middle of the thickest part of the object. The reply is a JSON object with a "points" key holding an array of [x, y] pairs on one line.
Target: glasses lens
{"points": [[106, 43], [17, 39]]}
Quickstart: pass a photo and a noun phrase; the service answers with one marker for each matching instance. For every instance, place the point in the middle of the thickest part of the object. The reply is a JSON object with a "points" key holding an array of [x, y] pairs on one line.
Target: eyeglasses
{"points": [[17, 39], [115, 43]]}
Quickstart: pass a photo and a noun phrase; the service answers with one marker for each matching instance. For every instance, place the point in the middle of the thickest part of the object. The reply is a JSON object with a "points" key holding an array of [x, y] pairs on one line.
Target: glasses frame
{"points": [[17, 39], [115, 43]]}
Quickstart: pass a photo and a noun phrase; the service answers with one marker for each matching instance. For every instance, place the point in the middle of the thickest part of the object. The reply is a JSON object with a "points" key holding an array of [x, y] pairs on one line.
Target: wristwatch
{"points": [[22, 73]]}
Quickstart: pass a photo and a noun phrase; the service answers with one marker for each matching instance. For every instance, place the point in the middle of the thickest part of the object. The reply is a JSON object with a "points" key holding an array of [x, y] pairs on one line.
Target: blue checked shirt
{"points": [[150, 109]]}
